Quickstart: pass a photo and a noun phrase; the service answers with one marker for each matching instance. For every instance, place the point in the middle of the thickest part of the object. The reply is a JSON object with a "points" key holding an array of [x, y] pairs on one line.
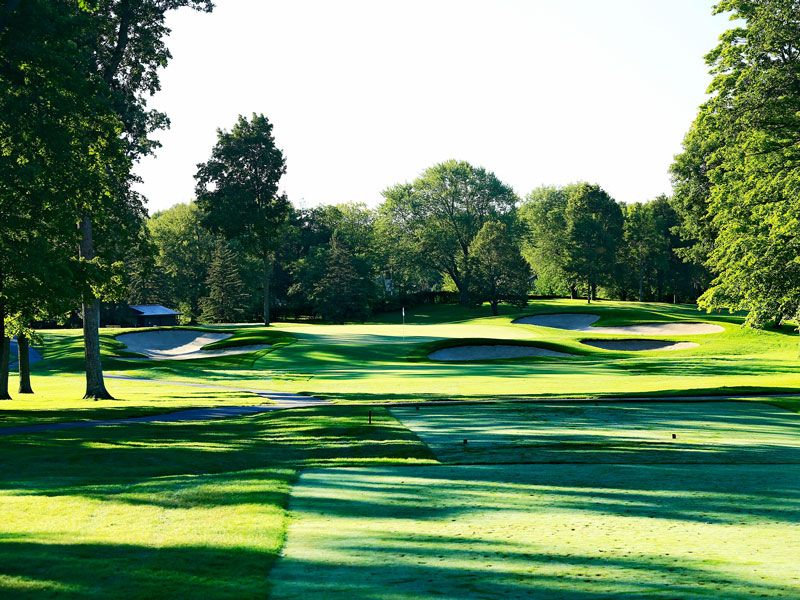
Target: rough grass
{"points": [[169, 510]]}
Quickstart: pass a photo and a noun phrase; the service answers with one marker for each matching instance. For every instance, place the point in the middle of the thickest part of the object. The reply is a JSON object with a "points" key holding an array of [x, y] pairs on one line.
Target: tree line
{"points": [[456, 232]]}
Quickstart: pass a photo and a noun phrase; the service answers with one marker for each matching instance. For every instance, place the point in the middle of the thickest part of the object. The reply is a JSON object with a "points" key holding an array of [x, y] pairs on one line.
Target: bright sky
{"points": [[364, 93]]}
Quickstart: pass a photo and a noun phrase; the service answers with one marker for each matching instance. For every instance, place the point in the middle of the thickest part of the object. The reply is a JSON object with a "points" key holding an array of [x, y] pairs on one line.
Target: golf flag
{"points": [[404, 312]]}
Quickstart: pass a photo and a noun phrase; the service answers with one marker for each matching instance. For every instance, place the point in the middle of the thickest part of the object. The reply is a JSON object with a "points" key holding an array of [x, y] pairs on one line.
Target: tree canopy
{"points": [[738, 178], [237, 191], [442, 211]]}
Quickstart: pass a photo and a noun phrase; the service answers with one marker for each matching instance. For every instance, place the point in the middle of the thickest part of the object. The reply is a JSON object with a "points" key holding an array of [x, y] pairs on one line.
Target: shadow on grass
{"points": [[554, 531], [32, 569], [194, 509]]}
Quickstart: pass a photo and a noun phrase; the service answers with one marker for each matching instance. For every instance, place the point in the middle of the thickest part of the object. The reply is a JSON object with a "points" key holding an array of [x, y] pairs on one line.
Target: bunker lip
{"points": [[583, 322], [639, 345], [476, 352], [180, 344]]}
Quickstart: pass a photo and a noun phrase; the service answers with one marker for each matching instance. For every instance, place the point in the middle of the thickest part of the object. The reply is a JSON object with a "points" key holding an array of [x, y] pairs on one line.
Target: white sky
{"points": [[367, 93]]}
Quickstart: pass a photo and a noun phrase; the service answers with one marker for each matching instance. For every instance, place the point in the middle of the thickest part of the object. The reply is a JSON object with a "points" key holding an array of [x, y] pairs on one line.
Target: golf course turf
{"points": [[528, 495]]}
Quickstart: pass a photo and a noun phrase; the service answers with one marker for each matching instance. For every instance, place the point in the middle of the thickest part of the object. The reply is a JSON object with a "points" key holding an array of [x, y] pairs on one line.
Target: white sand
{"points": [[583, 322], [639, 345], [487, 352], [180, 344]]}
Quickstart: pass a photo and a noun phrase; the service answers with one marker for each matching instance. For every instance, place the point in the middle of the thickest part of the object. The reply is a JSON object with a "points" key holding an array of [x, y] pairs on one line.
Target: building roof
{"points": [[153, 310]]}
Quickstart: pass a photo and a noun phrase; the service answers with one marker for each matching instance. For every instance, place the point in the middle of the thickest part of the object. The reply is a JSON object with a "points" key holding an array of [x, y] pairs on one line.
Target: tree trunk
{"points": [[463, 295], [95, 386], [494, 307], [23, 352], [5, 348], [641, 287], [267, 274], [588, 292], [573, 291]]}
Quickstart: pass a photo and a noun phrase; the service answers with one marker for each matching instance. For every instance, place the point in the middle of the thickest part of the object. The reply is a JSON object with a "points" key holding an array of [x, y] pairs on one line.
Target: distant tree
{"points": [[226, 295], [501, 273], [594, 228], [237, 192], [146, 281], [676, 277], [353, 225], [643, 246], [184, 248], [345, 288], [543, 216], [440, 214]]}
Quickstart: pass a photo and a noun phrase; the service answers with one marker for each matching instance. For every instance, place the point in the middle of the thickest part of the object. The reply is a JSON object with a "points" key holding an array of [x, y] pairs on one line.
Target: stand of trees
{"points": [[429, 239], [74, 81], [737, 181]]}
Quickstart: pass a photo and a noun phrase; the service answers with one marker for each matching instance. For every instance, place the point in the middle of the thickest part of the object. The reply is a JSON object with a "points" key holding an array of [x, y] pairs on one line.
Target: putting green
{"points": [[705, 432]]}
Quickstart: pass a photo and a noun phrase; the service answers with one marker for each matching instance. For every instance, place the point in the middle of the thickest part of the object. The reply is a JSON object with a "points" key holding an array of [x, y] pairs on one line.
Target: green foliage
{"points": [[644, 246], [345, 289], [543, 215], [439, 215], [742, 185], [237, 192], [594, 229], [225, 300], [183, 252], [501, 273]]}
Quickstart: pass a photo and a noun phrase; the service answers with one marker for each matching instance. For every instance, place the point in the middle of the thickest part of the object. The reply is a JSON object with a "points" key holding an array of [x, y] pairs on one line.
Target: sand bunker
{"points": [[490, 352], [180, 344], [639, 345], [583, 322]]}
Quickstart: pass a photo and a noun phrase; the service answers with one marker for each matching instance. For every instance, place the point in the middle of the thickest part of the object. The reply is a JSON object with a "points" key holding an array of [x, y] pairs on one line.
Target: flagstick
{"points": [[403, 309]]}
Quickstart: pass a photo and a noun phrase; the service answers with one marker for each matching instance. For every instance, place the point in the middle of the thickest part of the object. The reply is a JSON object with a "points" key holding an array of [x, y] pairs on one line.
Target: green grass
{"points": [[606, 432], [595, 500], [385, 361], [543, 531], [622, 511], [170, 510]]}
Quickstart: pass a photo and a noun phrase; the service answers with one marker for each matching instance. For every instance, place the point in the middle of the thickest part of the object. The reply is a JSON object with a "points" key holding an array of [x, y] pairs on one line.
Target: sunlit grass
{"points": [[549, 531], [385, 360], [170, 510]]}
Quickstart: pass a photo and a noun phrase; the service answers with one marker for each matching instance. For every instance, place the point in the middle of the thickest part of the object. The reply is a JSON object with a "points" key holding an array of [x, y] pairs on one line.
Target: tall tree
{"points": [[501, 273], [543, 216], [594, 228], [226, 296], [752, 167], [442, 211], [60, 146], [237, 191], [128, 50]]}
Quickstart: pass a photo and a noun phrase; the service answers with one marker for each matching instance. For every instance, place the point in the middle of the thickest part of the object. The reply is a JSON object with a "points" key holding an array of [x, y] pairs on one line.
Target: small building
{"points": [[152, 315]]}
